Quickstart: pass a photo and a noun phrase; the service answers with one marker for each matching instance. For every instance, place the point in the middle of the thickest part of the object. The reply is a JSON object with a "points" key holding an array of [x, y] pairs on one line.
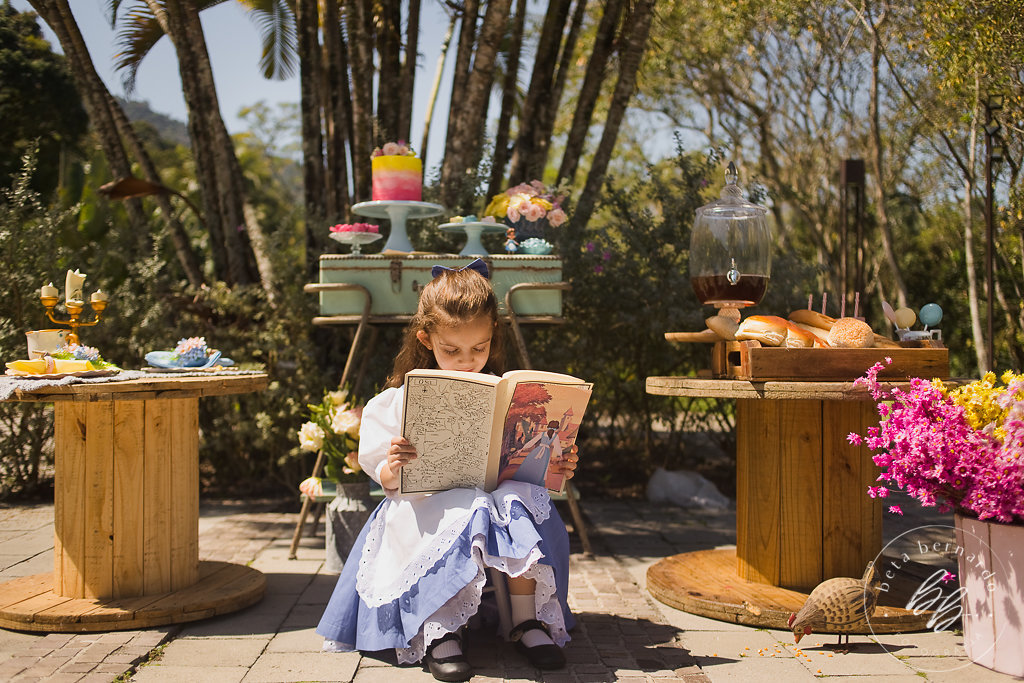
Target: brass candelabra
{"points": [[75, 309]]}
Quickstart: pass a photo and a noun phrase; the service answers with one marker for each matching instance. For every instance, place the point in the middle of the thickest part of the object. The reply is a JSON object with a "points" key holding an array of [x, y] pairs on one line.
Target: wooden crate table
{"points": [[126, 511], [803, 514]]}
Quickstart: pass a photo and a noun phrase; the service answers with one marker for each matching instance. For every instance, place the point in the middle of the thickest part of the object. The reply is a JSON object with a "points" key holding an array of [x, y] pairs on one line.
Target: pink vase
{"points": [[991, 561]]}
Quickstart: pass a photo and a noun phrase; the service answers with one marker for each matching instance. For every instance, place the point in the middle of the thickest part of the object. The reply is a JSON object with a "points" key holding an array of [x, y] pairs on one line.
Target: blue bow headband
{"points": [[477, 264]]}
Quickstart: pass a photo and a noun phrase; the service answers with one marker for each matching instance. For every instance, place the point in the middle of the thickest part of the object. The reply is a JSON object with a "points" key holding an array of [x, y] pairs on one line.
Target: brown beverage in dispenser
{"points": [[730, 250]]}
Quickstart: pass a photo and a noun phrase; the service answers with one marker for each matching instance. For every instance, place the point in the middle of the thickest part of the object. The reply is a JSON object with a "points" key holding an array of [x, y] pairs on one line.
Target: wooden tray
{"points": [[750, 361]]}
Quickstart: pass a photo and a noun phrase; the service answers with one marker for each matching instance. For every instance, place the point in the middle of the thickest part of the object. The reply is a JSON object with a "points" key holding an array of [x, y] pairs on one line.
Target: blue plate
{"points": [[166, 359]]}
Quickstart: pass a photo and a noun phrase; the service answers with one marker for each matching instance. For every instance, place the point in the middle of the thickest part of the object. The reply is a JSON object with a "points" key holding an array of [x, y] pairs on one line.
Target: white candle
{"points": [[49, 290], [73, 285], [99, 295]]}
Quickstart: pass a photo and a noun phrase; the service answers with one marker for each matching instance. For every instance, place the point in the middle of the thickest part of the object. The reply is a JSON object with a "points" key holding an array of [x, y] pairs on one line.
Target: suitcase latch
{"points": [[396, 276]]}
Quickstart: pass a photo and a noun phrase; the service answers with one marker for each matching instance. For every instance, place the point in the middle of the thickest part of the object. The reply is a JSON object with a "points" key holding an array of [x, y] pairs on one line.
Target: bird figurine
{"points": [[838, 605]]}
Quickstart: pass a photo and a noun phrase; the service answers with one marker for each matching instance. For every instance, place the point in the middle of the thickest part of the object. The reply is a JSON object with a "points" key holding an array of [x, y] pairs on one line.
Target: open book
{"points": [[476, 430]]}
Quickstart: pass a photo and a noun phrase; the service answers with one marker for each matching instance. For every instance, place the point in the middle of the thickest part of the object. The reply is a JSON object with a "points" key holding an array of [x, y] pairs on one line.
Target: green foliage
{"points": [[38, 101], [30, 243]]}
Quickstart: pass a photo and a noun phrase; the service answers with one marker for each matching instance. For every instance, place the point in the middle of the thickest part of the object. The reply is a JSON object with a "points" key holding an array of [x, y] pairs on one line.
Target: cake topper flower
{"points": [[530, 201], [394, 149]]}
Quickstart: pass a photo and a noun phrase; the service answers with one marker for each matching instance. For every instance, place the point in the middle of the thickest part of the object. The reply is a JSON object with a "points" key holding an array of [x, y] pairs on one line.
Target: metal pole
{"points": [[989, 241]]}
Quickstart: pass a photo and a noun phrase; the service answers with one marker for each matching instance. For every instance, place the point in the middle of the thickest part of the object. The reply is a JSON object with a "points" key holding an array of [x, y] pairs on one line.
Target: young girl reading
{"points": [[415, 574]]}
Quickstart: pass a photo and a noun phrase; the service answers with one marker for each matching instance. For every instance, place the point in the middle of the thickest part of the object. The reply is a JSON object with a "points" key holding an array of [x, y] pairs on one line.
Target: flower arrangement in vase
{"points": [[333, 430], [530, 208], [962, 449], [959, 448]]}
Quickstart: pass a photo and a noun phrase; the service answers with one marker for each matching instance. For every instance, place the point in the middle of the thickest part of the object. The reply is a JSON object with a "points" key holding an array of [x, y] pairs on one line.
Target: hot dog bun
{"points": [[813, 318], [851, 333], [770, 330], [820, 333], [797, 338]]}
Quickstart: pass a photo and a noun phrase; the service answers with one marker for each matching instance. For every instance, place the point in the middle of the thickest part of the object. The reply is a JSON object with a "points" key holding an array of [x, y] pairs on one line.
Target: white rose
{"points": [[311, 437], [345, 422]]}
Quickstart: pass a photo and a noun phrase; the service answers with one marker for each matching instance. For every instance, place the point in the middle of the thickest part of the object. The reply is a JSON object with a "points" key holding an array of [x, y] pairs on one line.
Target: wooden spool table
{"points": [[802, 510], [126, 511]]}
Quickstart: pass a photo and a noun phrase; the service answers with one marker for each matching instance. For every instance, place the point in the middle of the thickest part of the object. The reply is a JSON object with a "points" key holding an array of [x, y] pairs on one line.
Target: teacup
{"points": [[42, 342]]}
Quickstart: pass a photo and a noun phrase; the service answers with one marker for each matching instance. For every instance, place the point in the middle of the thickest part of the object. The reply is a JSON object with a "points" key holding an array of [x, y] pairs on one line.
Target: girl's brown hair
{"points": [[452, 298]]}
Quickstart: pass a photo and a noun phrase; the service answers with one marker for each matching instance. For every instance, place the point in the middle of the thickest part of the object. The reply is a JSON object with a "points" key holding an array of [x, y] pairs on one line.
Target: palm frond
{"points": [[276, 22]]}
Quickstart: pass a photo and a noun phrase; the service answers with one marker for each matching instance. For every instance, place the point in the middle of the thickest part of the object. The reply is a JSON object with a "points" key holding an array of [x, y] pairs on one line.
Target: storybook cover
{"points": [[477, 430]]}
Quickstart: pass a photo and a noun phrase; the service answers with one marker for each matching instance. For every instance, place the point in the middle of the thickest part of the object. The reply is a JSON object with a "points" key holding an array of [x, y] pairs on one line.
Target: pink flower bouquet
{"points": [[530, 201], [959, 448]]}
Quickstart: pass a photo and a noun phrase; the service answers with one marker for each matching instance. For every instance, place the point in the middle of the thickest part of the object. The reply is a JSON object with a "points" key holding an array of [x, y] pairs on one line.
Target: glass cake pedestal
{"points": [[397, 212], [473, 230], [356, 239]]}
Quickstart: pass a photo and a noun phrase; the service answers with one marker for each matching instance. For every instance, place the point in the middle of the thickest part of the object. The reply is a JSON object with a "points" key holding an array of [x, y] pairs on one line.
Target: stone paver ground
{"points": [[623, 633]]}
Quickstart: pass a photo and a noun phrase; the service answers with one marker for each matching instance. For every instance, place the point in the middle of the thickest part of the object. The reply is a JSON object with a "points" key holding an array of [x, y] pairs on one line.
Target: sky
{"points": [[233, 42]]}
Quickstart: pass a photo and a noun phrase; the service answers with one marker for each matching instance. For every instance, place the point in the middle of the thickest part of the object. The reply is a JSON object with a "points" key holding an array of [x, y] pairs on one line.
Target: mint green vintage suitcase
{"points": [[394, 281]]}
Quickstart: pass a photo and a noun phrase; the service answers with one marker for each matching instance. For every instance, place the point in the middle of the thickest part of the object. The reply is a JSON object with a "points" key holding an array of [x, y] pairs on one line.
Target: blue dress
{"points": [[418, 568]]}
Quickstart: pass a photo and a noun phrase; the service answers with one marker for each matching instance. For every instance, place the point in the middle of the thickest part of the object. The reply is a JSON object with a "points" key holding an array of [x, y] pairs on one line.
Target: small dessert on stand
{"points": [[355, 235], [473, 229], [397, 178]]}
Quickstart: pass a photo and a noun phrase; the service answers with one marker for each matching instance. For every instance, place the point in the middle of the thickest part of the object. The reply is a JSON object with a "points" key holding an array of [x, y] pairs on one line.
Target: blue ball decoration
{"points": [[930, 315]]}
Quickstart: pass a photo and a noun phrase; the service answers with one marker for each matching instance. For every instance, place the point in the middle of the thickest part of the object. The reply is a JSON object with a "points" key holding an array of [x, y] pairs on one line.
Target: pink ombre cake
{"points": [[397, 178]]}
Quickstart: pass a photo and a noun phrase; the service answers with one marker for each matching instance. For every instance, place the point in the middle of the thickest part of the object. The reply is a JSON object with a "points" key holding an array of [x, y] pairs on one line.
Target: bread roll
{"points": [[809, 317], [820, 333], [851, 333], [797, 338], [724, 327], [770, 330]]}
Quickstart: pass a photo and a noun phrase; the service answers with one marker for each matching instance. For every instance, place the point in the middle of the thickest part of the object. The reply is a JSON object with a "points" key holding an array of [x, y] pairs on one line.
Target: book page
{"points": [[448, 419], [539, 424]]}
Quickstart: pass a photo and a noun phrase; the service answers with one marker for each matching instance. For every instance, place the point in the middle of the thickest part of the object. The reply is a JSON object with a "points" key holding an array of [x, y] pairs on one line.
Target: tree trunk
{"points": [[307, 25], [876, 158], [629, 65], [471, 116], [590, 90], [112, 127], [509, 97], [389, 49], [408, 72], [360, 40], [531, 149], [337, 121], [460, 72]]}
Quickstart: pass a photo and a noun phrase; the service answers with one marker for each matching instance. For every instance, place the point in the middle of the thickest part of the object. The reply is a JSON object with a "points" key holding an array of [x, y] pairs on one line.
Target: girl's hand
{"points": [[567, 463], [400, 453]]}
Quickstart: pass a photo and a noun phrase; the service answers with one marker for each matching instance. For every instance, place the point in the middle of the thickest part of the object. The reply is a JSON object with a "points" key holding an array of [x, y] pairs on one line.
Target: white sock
{"points": [[524, 607], [449, 648]]}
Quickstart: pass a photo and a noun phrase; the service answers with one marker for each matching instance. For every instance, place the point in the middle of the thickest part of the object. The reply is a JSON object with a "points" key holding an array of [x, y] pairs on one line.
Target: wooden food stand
{"points": [[126, 511], [802, 510]]}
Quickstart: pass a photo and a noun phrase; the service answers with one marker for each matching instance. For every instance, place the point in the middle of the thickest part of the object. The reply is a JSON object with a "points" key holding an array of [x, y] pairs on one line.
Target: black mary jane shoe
{"points": [[455, 668], [545, 657]]}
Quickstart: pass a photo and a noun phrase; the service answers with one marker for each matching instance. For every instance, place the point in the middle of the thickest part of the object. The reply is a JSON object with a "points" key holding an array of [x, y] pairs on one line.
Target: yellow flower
{"points": [[498, 205], [543, 203]]}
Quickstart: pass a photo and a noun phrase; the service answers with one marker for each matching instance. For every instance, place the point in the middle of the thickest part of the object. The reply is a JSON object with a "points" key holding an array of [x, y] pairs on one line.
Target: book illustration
{"points": [[541, 424], [443, 418]]}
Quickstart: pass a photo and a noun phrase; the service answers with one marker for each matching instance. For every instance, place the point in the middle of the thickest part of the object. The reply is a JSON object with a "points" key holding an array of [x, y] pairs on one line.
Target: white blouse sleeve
{"points": [[381, 422]]}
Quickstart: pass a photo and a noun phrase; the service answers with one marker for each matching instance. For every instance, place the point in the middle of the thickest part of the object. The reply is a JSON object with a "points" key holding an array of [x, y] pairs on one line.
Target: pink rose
{"points": [[533, 212], [392, 149], [523, 189], [513, 213], [557, 217]]}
